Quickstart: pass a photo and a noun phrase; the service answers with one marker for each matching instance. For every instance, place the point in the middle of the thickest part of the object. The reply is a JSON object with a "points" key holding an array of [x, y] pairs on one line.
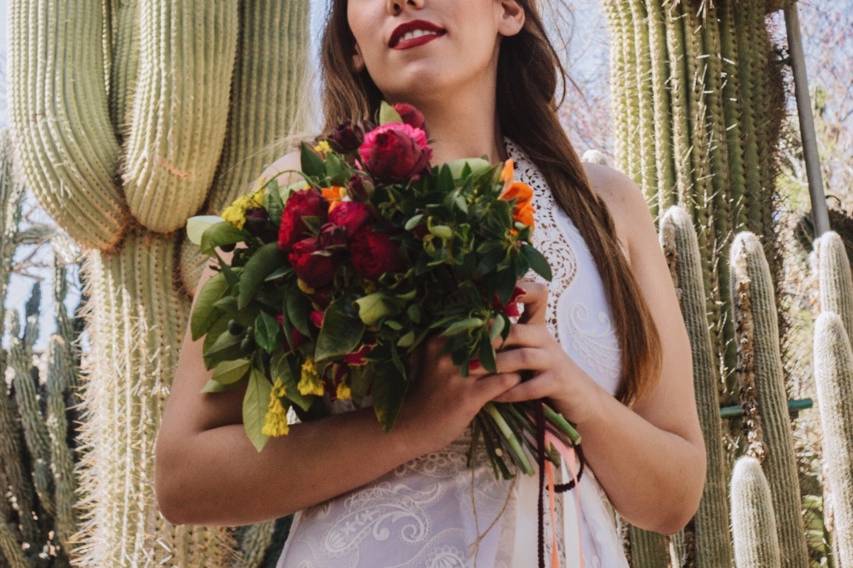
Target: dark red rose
{"points": [[332, 237], [258, 224], [395, 152], [374, 253], [317, 318], [322, 297], [311, 263], [346, 137], [410, 115], [300, 203], [351, 215]]}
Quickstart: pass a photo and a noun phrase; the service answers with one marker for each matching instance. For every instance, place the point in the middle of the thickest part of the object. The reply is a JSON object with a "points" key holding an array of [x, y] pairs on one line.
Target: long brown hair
{"points": [[528, 66]]}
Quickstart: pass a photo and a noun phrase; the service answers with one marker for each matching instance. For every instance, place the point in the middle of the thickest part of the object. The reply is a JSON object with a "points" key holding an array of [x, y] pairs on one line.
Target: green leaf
{"points": [[298, 309], [311, 162], [212, 386], [259, 266], [196, 226], [537, 261], [336, 170], [406, 340], [218, 235], [462, 326], [441, 231], [340, 334], [228, 372], [475, 166], [373, 307], [267, 332], [388, 390], [225, 345], [204, 311], [388, 113], [273, 202], [255, 403], [414, 221], [487, 354], [497, 327]]}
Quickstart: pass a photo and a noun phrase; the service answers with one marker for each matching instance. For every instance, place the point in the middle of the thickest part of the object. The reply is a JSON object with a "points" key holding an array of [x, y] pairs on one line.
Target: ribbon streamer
{"points": [[571, 456]]}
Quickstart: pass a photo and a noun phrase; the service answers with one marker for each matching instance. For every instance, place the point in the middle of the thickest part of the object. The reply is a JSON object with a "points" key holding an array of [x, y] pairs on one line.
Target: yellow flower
{"points": [[236, 212], [309, 380], [343, 391], [323, 148], [275, 420]]}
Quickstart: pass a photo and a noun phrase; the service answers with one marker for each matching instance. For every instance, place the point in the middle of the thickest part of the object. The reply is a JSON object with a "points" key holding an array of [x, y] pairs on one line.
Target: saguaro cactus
{"points": [[681, 248], [131, 117], [833, 367], [698, 104], [753, 523], [760, 364], [834, 278]]}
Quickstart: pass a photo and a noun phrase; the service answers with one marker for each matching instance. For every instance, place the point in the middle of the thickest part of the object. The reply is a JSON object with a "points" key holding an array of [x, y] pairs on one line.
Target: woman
{"points": [[605, 339]]}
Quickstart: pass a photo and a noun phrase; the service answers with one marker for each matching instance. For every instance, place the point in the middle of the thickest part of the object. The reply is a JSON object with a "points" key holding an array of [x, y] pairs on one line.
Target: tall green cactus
{"points": [[698, 103], [681, 249], [835, 282], [760, 364], [833, 368], [756, 543], [131, 117]]}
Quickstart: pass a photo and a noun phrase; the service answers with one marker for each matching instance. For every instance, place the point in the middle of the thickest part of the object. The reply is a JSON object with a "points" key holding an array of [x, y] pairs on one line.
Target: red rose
{"points": [[300, 203], [395, 152], [317, 317], [374, 253], [332, 236], [311, 263], [351, 215], [410, 115]]}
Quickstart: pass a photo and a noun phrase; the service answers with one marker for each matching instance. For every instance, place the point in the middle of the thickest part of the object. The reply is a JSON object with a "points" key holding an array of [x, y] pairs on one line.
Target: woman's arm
{"points": [[649, 459]]}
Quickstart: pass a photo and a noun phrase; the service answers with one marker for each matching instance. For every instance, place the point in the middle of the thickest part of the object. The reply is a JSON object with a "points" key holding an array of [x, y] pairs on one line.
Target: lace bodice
{"points": [[434, 511]]}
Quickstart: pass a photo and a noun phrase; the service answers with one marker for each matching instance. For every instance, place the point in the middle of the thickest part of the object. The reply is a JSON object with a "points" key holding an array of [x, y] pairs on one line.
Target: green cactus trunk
{"points": [[833, 366], [760, 366], [121, 140], [681, 249], [698, 103], [756, 543]]}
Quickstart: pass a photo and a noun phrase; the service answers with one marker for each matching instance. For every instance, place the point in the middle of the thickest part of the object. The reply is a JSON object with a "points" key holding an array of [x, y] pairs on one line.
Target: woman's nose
{"points": [[396, 6]]}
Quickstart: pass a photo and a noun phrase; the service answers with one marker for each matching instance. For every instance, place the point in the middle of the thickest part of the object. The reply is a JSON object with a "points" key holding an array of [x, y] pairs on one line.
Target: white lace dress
{"points": [[434, 511]]}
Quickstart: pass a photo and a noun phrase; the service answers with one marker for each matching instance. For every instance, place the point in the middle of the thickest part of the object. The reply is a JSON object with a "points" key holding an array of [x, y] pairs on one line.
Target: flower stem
{"points": [[510, 437]]}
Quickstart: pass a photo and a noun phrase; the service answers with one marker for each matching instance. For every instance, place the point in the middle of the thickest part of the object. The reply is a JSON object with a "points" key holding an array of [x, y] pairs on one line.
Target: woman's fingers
{"points": [[521, 358], [535, 300], [540, 386], [522, 334], [490, 386]]}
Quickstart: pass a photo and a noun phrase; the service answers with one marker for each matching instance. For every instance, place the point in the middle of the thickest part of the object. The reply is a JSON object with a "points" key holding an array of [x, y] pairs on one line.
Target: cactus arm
{"points": [[834, 278], [756, 543]]}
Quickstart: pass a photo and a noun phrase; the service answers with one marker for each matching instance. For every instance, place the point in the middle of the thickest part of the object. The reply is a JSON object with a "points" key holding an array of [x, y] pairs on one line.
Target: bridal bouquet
{"points": [[342, 275]]}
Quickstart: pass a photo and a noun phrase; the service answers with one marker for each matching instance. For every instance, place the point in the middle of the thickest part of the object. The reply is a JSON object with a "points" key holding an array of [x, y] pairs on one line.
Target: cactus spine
{"points": [[833, 367], [681, 249], [121, 141], [756, 543], [758, 336]]}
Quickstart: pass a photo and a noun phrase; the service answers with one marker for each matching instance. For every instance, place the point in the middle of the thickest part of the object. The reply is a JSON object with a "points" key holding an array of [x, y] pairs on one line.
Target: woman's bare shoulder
{"points": [[621, 196], [278, 168]]}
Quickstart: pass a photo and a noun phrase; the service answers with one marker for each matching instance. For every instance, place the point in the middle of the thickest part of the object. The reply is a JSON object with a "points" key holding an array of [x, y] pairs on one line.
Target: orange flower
{"points": [[519, 191], [522, 193], [507, 173], [333, 195], [524, 213]]}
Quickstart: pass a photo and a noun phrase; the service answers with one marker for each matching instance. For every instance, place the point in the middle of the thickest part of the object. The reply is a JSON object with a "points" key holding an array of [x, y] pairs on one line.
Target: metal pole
{"points": [[820, 216]]}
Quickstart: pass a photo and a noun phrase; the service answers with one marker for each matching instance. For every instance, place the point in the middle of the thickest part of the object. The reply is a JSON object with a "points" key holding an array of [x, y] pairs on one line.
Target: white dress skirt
{"points": [[436, 512]]}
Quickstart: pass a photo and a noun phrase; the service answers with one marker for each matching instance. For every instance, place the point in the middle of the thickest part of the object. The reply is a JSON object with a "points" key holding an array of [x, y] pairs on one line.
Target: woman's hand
{"points": [[441, 403], [531, 346]]}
